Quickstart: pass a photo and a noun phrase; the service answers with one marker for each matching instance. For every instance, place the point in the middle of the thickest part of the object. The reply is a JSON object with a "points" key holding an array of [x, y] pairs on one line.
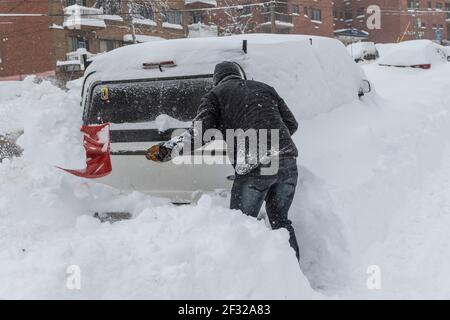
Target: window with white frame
{"points": [[111, 7], [142, 10], [316, 14], [108, 45], [75, 43], [172, 16], [78, 2]]}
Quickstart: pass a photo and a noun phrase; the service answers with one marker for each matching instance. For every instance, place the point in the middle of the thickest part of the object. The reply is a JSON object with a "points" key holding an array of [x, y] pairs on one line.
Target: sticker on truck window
{"points": [[104, 93]]}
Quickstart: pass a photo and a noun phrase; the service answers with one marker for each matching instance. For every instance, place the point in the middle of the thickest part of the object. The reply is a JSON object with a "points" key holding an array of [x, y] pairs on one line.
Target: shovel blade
{"points": [[98, 158]]}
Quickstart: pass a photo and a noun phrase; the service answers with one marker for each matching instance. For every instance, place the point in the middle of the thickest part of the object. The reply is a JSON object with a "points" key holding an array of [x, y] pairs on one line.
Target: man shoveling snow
{"points": [[245, 105]]}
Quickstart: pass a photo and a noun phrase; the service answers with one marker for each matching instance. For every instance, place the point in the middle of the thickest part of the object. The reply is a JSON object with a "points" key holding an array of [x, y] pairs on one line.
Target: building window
{"points": [[348, 14], [196, 17], [78, 2], [305, 11], [246, 9], [142, 10], [360, 12], [295, 9], [75, 43], [173, 17], [111, 7], [108, 45], [316, 14], [413, 4], [439, 6]]}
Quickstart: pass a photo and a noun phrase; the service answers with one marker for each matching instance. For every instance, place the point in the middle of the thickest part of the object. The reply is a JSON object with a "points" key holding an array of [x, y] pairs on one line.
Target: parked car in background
{"points": [[363, 51], [423, 54]]}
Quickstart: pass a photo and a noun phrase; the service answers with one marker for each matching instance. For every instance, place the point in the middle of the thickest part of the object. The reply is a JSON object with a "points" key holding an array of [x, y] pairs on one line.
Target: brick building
{"points": [[53, 40], [25, 42], [286, 16], [52, 44], [400, 19]]}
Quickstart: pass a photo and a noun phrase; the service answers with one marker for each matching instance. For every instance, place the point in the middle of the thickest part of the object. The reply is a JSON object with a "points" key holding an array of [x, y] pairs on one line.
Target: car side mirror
{"points": [[365, 88]]}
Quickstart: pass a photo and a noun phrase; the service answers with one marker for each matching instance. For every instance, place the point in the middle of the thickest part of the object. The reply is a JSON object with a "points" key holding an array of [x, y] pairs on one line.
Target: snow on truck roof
{"points": [[314, 74], [192, 56]]}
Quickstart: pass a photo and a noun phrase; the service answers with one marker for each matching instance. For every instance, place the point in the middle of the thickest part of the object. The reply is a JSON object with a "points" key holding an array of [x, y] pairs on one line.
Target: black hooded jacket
{"points": [[235, 103]]}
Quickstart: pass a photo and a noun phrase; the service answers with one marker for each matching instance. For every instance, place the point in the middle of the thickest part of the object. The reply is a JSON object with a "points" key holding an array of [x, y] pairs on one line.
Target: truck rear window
{"points": [[143, 101]]}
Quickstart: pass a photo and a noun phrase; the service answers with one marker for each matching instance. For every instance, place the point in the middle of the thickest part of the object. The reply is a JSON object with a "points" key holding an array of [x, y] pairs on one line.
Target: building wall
{"points": [[114, 30], [288, 19], [303, 23], [397, 23], [24, 41]]}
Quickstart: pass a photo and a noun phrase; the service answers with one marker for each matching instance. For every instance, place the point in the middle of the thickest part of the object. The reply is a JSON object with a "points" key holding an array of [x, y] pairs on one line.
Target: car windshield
{"points": [[145, 101]]}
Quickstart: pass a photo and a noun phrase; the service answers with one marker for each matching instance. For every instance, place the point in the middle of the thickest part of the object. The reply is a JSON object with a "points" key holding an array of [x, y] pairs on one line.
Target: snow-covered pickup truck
{"points": [[147, 91]]}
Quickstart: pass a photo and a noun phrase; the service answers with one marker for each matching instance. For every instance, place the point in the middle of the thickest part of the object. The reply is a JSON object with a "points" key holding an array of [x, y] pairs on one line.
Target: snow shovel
{"points": [[98, 159]]}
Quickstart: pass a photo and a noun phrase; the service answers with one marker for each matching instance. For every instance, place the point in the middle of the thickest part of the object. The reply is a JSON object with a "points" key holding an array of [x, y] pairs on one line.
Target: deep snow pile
{"points": [[46, 225], [386, 163], [406, 204], [373, 191]]}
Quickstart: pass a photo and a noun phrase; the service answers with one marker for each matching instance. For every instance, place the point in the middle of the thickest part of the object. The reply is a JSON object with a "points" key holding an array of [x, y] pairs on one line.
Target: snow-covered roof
{"points": [[280, 24], [141, 38], [200, 30], [351, 32], [77, 16], [192, 56], [209, 2]]}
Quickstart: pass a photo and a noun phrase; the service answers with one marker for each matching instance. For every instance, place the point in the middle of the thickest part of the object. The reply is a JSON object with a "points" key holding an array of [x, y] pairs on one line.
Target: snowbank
{"points": [[209, 2], [48, 214], [140, 38], [165, 252], [47, 225], [414, 53], [373, 191]]}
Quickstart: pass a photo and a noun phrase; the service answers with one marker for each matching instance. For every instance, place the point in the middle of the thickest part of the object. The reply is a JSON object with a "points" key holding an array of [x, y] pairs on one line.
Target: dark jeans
{"points": [[250, 191]]}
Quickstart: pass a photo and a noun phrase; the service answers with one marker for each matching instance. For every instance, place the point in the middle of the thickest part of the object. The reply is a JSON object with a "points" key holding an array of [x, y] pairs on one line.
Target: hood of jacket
{"points": [[224, 71]]}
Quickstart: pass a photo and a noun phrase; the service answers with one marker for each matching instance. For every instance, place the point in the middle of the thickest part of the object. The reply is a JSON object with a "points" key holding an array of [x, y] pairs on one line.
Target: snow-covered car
{"points": [[422, 54], [147, 91], [363, 51]]}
